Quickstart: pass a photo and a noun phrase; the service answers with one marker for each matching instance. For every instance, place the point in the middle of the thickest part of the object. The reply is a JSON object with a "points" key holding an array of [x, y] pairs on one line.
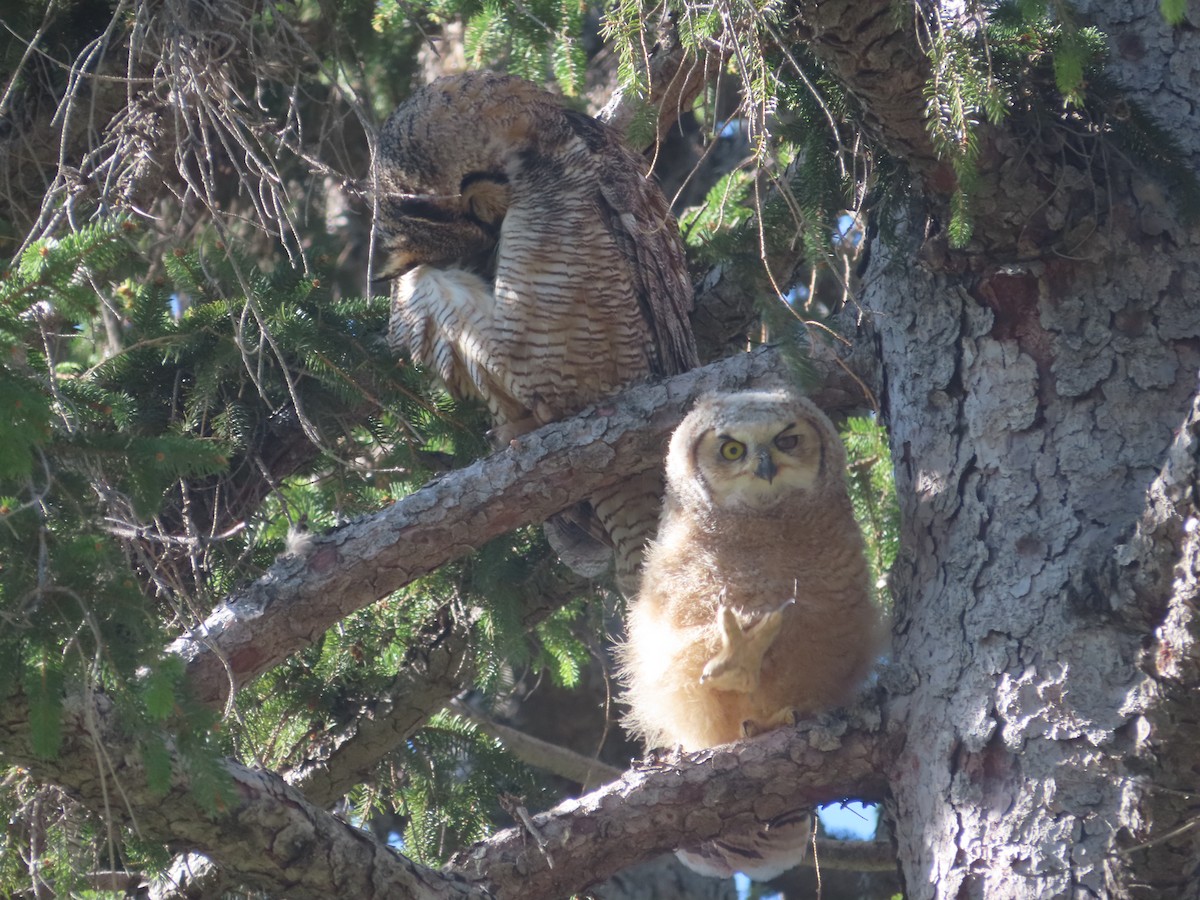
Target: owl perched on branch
{"points": [[537, 269], [755, 603]]}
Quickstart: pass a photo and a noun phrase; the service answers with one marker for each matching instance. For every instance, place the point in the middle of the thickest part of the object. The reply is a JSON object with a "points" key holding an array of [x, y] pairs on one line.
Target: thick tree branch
{"points": [[266, 832], [702, 796], [437, 667], [346, 570], [674, 77], [874, 52], [858, 856], [270, 836]]}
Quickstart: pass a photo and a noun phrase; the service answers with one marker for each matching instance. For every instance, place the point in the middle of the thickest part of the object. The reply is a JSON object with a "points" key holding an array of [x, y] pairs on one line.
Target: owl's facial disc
{"points": [[757, 467], [431, 229], [486, 197]]}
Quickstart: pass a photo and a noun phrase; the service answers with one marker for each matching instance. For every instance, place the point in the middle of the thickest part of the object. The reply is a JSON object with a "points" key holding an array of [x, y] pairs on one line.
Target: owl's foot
{"points": [[785, 718], [504, 434], [738, 665]]}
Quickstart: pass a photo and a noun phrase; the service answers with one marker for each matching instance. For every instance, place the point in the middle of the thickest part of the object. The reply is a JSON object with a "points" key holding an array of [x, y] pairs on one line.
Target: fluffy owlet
{"points": [[537, 269], [755, 604]]}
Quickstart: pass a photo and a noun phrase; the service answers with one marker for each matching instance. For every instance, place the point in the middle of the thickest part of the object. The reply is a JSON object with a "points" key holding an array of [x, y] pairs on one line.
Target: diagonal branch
{"points": [[265, 832], [336, 574], [585, 771], [436, 668], [702, 796], [269, 836], [857, 856]]}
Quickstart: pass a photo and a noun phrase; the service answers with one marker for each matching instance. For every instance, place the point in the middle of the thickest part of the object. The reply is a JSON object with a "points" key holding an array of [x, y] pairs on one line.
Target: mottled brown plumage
{"points": [[537, 267], [755, 604]]}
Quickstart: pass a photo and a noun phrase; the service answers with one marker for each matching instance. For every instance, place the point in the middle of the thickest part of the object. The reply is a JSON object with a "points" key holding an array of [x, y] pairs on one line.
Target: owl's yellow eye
{"points": [[732, 450]]}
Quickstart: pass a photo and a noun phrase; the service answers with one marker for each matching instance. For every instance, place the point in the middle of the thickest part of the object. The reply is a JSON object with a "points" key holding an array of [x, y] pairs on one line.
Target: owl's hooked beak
{"points": [[766, 468]]}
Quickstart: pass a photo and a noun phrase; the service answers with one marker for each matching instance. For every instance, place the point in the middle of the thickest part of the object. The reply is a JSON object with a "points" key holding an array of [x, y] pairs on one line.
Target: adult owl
{"points": [[537, 269], [755, 604]]}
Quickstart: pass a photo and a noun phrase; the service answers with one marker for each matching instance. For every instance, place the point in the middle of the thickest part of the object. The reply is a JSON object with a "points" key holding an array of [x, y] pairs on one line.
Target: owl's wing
{"points": [[442, 318], [642, 226]]}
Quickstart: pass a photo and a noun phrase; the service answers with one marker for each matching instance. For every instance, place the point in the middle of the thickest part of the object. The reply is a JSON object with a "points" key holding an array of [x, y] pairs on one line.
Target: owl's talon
{"points": [[503, 435], [738, 665], [785, 718], [659, 758]]}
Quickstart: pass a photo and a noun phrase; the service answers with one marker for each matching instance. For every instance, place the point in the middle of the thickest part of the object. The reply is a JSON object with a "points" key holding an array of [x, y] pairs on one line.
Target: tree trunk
{"points": [[1041, 390]]}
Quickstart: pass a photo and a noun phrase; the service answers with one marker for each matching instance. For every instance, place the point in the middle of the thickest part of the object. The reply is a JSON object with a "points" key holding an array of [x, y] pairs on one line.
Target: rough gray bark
{"points": [[872, 48], [1041, 393], [249, 839], [1022, 476], [336, 574], [621, 823], [244, 634], [269, 834]]}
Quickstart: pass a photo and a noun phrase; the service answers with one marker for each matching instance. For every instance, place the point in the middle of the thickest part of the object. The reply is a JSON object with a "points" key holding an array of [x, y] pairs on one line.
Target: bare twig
{"points": [[583, 770]]}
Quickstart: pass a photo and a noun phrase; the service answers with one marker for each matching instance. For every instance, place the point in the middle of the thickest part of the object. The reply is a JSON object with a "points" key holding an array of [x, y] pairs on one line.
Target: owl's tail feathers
{"points": [[763, 854], [577, 537]]}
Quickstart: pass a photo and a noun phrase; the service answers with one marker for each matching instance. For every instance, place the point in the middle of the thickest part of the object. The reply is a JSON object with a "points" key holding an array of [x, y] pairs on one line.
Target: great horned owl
{"points": [[538, 268], [755, 604]]}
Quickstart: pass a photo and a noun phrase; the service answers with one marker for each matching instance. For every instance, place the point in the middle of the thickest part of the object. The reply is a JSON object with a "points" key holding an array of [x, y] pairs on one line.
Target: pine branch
{"points": [[855, 856], [343, 571], [269, 836], [436, 669], [699, 797], [675, 78]]}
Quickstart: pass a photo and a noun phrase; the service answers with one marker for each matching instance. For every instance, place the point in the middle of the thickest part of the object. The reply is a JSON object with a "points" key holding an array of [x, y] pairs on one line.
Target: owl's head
{"points": [[752, 452], [443, 167]]}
